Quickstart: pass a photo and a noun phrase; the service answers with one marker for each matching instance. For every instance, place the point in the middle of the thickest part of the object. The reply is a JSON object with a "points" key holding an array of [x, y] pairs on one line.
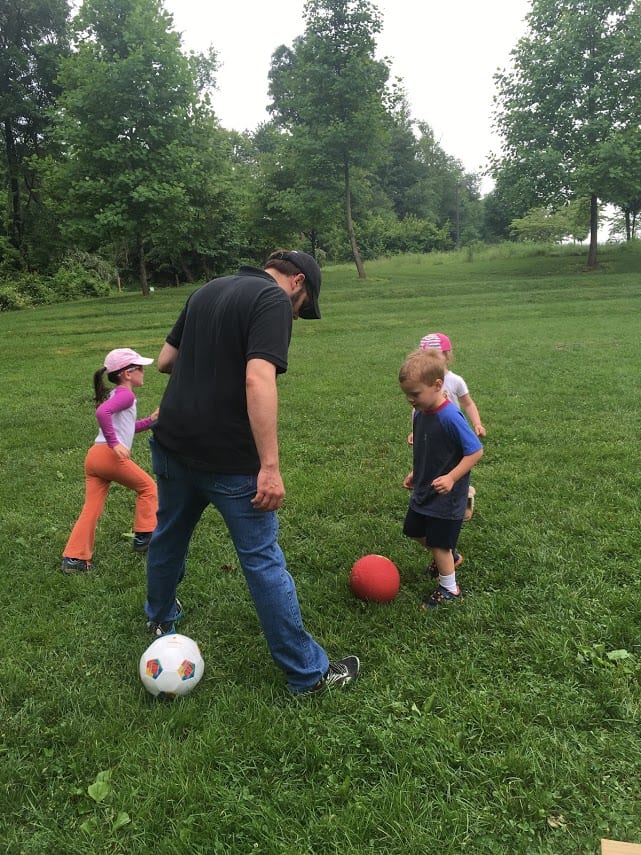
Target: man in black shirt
{"points": [[216, 442]]}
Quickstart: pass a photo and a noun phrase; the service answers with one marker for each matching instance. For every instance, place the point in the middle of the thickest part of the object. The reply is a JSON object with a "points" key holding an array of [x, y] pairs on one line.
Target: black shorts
{"points": [[443, 534]]}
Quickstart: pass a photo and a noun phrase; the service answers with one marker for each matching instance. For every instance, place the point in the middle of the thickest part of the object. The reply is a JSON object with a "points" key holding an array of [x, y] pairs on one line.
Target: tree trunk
{"points": [[350, 226], [628, 228], [144, 282], [594, 226], [187, 273], [16, 228]]}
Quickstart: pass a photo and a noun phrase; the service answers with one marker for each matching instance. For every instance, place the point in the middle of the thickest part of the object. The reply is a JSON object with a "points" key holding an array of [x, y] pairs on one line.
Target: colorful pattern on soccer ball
{"points": [[186, 670], [153, 668]]}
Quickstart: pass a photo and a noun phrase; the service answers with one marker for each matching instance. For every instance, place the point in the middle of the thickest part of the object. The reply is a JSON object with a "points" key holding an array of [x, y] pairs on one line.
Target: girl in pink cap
{"points": [[109, 459]]}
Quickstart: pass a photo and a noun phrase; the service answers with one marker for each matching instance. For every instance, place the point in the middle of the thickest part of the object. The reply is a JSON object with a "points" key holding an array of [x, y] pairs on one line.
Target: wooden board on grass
{"points": [[615, 847]]}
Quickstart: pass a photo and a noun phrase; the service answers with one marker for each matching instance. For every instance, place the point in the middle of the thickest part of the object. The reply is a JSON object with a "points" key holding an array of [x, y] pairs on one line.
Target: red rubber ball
{"points": [[375, 578]]}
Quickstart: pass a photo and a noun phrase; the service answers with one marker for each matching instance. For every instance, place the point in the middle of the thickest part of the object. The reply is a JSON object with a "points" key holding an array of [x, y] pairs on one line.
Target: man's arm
{"points": [[167, 358], [262, 409]]}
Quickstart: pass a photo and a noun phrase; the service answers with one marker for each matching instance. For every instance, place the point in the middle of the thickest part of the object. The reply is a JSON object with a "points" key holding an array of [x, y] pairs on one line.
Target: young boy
{"points": [[445, 450], [456, 391]]}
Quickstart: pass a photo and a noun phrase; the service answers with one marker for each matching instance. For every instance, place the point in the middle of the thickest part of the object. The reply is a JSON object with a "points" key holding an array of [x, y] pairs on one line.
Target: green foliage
{"points": [[146, 172], [569, 101], [10, 259], [11, 298], [112, 149], [34, 37], [35, 290], [386, 235], [328, 94], [546, 225], [80, 275], [73, 280]]}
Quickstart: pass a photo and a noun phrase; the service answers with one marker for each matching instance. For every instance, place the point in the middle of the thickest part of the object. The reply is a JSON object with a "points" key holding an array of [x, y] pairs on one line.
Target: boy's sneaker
{"points": [[166, 627], [141, 540], [432, 569], [340, 674], [70, 566], [441, 595]]}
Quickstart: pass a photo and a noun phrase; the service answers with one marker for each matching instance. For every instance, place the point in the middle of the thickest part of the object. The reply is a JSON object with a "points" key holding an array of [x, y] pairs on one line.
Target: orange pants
{"points": [[102, 467]]}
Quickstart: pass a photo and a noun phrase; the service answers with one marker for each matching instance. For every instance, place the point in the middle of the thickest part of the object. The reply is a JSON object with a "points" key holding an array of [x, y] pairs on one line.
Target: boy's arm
{"points": [[410, 435], [444, 483], [472, 413]]}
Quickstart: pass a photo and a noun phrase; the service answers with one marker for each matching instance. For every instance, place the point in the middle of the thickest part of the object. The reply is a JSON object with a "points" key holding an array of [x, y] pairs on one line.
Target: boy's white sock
{"points": [[449, 582]]}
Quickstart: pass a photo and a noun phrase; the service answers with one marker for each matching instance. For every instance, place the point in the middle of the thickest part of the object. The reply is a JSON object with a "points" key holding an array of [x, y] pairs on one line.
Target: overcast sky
{"points": [[446, 53]]}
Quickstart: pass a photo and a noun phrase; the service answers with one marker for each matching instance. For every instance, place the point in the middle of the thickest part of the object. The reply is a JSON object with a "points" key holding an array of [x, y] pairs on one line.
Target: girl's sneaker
{"points": [[70, 566], [141, 540], [441, 595], [469, 510]]}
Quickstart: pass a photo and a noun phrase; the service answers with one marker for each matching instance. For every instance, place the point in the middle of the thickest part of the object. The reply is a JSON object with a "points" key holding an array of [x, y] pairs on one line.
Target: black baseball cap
{"points": [[307, 265]]}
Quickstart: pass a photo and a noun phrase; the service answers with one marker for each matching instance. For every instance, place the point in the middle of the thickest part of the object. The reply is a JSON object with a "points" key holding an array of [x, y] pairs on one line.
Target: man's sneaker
{"points": [[339, 674], [160, 629], [432, 569], [166, 627], [441, 595], [141, 540], [70, 566]]}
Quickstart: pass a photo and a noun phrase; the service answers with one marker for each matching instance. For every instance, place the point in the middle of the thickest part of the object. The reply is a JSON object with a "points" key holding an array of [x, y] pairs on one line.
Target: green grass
{"points": [[505, 724]]}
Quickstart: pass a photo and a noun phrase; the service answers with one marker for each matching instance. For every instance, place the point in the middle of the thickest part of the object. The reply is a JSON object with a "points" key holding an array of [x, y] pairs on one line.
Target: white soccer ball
{"points": [[172, 665]]}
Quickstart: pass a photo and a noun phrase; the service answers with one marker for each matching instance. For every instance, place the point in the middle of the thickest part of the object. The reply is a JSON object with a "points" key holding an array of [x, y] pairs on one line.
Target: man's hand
{"points": [[270, 490]]}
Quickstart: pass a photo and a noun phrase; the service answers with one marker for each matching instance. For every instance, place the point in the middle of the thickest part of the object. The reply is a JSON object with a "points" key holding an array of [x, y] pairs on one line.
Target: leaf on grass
{"points": [[99, 791], [101, 787], [556, 820], [121, 820], [618, 655]]}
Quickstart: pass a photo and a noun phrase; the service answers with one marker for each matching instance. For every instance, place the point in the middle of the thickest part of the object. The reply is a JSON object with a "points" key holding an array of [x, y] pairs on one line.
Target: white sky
{"points": [[446, 54]]}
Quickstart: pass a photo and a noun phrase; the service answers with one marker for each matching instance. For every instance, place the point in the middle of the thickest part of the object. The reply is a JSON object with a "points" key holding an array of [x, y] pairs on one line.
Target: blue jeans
{"points": [[183, 494]]}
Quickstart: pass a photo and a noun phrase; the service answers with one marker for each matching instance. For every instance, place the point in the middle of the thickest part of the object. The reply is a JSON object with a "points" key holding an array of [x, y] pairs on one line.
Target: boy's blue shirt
{"points": [[441, 439]]}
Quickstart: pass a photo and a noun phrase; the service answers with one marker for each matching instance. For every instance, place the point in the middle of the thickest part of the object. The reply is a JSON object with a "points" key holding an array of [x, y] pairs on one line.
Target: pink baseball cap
{"points": [[121, 357], [435, 339]]}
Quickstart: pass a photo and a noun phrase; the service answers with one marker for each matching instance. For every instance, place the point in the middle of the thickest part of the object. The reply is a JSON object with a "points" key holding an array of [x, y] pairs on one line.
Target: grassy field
{"points": [[510, 723]]}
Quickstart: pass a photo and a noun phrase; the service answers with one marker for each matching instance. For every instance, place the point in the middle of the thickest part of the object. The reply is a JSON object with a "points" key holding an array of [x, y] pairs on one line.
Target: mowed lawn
{"points": [[509, 723]]}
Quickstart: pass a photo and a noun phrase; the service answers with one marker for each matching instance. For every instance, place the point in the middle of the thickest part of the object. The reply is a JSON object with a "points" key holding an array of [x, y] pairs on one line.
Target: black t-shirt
{"points": [[203, 414]]}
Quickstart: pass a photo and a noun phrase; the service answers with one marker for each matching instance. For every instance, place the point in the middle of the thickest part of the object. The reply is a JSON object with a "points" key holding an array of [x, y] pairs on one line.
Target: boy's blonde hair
{"points": [[425, 366]]}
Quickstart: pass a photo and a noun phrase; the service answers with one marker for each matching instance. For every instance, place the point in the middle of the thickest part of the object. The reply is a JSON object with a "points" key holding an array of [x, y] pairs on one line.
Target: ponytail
{"points": [[101, 392]]}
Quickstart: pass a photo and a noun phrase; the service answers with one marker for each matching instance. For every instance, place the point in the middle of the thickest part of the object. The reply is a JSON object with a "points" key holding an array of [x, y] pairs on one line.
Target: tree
{"points": [[146, 171], [545, 225], [277, 217], [328, 94], [617, 168], [32, 39], [576, 75]]}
